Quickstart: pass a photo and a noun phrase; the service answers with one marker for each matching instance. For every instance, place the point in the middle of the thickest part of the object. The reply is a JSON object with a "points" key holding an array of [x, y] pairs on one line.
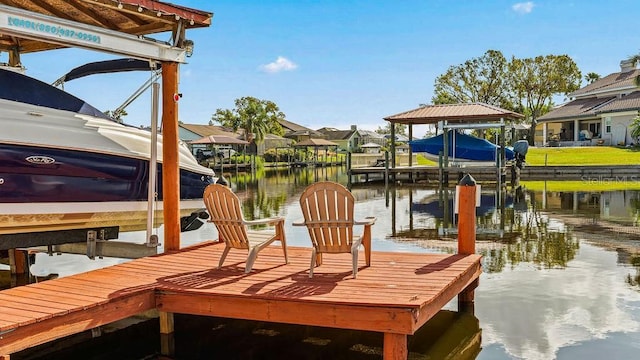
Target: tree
{"points": [[116, 116], [634, 60], [477, 80], [635, 128], [401, 129], [591, 77], [535, 82], [254, 116]]}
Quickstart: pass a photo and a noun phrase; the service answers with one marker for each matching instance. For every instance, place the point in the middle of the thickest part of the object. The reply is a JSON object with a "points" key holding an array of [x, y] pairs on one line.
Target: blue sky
{"points": [[342, 63]]}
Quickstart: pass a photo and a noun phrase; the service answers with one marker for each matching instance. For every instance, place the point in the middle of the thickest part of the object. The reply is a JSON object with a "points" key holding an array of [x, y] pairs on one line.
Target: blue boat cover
{"points": [[467, 147], [21, 88]]}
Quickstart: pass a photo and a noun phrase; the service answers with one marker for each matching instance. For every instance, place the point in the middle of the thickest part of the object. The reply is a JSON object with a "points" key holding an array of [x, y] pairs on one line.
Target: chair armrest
{"points": [[300, 223], [369, 220], [269, 221]]}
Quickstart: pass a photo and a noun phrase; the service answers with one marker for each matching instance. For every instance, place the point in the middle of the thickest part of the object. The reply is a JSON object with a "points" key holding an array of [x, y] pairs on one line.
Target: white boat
{"points": [[66, 165]]}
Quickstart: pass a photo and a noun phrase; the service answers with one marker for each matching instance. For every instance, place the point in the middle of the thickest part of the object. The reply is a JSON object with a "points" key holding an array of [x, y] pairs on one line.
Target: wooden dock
{"points": [[425, 174], [395, 296]]}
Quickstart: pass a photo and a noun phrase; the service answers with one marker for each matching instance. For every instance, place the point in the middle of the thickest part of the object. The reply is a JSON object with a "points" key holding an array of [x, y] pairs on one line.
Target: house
{"points": [[368, 136], [298, 132], [190, 132], [347, 140], [598, 114], [371, 148]]}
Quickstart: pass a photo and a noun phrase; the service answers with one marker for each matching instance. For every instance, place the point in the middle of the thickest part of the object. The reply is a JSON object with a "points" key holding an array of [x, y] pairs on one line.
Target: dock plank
{"points": [[396, 294]]}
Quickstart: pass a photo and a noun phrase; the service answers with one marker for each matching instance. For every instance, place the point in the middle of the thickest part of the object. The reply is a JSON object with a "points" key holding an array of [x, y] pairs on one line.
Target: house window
{"points": [[595, 129], [607, 125]]}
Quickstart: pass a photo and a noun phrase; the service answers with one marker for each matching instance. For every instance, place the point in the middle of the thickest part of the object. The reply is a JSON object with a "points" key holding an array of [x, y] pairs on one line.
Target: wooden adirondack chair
{"points": [[327, 208], [224, 208]]}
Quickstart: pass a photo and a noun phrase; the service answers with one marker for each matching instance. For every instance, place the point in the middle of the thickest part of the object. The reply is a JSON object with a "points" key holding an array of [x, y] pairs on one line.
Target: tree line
{"points": [[526, 86]]}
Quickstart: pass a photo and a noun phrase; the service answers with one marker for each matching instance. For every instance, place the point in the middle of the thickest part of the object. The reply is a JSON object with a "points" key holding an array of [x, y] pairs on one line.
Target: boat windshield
{"points": [[21, 88]]}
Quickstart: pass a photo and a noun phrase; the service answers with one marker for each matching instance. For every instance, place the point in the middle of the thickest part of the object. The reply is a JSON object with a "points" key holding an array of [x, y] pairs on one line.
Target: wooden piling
{"points": [[467, 231]]}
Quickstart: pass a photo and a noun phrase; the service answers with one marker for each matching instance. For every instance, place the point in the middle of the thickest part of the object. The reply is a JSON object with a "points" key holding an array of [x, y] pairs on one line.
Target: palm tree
{"points": [[254, 116], [591, 77], [634, 60]]}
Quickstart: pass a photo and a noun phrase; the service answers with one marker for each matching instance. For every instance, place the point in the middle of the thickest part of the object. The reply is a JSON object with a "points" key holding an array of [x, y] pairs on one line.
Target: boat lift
{"points": [[25, 24]]}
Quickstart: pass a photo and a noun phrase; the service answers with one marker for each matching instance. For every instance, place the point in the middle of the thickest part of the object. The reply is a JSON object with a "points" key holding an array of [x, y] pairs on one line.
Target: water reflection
{"points": [[448, 335], [561, 268]]}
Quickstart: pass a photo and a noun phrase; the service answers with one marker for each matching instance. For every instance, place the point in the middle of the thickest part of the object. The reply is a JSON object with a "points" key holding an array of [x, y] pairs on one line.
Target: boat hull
{"points": [[20, 218], [41, 175], [65, 165]]}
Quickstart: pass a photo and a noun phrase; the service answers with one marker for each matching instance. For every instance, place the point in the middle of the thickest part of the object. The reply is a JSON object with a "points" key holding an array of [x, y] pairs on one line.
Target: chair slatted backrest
{"points": [[327, 208], [224, 208]]}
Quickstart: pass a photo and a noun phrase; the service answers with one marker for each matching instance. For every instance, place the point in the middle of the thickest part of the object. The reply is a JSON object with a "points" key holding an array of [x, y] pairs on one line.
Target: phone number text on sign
{"points": [[54, 30]]}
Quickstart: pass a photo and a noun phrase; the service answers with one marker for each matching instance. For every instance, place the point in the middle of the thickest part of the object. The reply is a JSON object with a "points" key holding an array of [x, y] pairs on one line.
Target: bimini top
{"points": [[107, 67], [21, 88]]}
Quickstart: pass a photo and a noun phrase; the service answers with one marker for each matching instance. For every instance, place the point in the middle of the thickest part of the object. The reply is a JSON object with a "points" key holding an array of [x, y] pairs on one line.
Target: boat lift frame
{"points": [[443, 165], [35, 26]]}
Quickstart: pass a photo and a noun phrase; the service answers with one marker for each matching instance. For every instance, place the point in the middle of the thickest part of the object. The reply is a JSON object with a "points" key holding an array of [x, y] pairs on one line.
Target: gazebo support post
{"points": [[170, 169], [410, 153], [503, 158], [393, 147], [445, 156]]}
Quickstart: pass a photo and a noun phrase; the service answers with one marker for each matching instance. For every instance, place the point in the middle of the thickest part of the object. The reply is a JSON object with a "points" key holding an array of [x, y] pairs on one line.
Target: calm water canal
{"points": [[561, 278]]}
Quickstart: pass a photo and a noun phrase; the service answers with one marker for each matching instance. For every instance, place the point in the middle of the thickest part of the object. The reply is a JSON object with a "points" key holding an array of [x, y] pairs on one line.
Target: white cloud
{"points": [[523, 7], [281, 64]]}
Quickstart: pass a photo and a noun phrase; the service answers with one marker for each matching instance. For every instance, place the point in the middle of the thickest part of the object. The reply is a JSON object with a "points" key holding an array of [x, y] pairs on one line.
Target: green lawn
{"points": [[581, 185], [573, 156], [583, 155]]}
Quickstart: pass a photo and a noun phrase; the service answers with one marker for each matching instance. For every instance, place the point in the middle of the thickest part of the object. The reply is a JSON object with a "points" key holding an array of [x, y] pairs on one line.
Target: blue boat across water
{"points": [[461, 147]]}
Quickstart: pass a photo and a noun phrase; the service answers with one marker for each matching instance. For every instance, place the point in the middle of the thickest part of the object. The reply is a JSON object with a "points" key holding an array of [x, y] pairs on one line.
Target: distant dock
{"points": [[489, 174]]}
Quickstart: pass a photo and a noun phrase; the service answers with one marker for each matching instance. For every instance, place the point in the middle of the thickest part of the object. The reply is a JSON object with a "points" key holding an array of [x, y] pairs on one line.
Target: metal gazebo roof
{"points": [[453, 113]]}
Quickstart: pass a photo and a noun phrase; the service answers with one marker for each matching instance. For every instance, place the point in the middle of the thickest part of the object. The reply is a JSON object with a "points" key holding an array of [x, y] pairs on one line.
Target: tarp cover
{"points": [[467, 147]]}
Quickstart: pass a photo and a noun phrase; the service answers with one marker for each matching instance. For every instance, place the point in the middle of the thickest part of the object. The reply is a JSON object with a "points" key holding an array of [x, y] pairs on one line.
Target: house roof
{"points": [[622, 96], [136, 17], [315, 143], [338, 134], [307, 132], [398, 137], [624, 103], [371, 134], [577, 108], [206, 130], [611, 82], [461, 113], [220, 139], [290, 126]]}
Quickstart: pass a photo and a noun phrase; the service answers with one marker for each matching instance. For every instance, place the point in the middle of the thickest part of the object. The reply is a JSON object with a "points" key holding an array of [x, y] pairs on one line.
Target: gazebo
{"points": [[317, 144], [453, 116]]}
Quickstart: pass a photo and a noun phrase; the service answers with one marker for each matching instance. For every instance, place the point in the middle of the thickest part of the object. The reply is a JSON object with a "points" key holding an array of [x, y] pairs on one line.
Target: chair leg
{"points": [[313, 262], [283, 240], [354, 255], [253, 254], [224, 256]]}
